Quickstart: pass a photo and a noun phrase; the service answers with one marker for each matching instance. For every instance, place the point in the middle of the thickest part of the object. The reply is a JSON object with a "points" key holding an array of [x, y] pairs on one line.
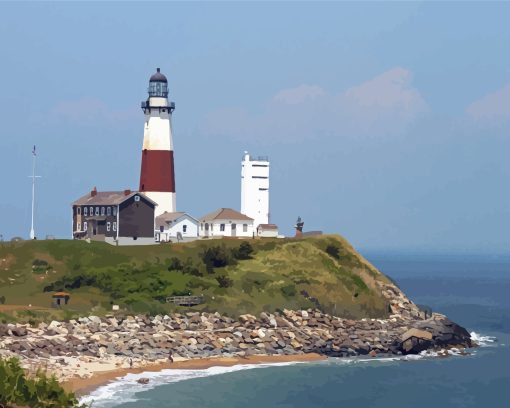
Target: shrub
{"points": [[2, 300], [288, 290], [244, 251], [16, 388], [334, 251], [216, 257], [224, 281], [175, 264]]}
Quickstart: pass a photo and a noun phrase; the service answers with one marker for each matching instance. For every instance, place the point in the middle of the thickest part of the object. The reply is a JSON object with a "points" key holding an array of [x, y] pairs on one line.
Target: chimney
{"points": [[127, 192], [93, 193]]}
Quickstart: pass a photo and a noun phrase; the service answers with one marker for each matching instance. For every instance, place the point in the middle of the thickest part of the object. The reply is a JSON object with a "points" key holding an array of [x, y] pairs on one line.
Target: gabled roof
{"points": [[268, 226], [109, 198], [225, 214], [169, 217]]}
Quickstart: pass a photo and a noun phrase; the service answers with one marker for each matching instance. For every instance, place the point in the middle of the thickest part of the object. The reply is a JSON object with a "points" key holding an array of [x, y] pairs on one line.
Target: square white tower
{"points": [[255, 189]]}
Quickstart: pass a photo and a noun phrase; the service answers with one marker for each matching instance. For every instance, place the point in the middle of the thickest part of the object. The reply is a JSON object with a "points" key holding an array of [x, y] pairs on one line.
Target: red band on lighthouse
{"points": [[157, 173]]}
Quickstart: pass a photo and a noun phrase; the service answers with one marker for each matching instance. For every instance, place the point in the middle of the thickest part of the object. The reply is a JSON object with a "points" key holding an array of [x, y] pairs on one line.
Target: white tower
{"points": [[157, 178], [255, 189]]}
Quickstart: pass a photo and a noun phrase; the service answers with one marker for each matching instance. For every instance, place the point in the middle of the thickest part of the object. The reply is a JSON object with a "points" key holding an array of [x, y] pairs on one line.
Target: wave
{"points": [[124, 389], [483, 341]]}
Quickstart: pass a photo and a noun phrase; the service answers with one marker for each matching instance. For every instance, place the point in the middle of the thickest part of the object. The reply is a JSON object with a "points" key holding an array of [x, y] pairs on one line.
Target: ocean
{"points": [[473, 291]]}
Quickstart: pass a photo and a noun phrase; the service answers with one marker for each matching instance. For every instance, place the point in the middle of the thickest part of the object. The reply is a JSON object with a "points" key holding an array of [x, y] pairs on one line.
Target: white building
{"points": [[255, 188], [267, 231], [176, 226], [226, 222]]}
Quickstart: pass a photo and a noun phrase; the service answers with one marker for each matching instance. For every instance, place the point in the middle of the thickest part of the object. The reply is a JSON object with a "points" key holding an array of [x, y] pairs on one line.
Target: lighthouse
{"points": [[157, 177]]}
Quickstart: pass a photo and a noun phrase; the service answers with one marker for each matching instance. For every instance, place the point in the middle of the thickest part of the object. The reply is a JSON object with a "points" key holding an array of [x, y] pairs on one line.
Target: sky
{"points": [[388, 123]]}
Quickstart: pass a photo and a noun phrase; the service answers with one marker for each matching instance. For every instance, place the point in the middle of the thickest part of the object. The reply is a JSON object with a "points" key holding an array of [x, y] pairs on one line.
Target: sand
{"points": [[103, 374]]}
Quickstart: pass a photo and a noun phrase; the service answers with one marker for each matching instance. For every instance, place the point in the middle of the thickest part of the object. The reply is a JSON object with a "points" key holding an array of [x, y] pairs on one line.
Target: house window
{"points": [[234, 226], [91, 211], [85, 211], [222, 227], [137, 198], [114, 211], [85, 226], [78, 226], [107, 226], [102, 211], [207, 226], [245, 227], [114, 226], [108, 211], [78, 210], [97, 210], [184, 228], [202, 226]]}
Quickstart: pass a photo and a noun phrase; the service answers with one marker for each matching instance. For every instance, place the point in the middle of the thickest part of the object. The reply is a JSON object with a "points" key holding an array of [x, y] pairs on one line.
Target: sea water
{"points": [[474, 292]]}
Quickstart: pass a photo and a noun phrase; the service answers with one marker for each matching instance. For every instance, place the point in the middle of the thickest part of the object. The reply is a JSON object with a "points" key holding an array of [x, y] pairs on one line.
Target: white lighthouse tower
{"points": [[255, 188], [157, 178]]}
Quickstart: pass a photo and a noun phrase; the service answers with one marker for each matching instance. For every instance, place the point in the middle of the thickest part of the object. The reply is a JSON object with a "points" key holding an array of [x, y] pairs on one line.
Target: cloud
{"points": [[385, 104], [492, 107]]}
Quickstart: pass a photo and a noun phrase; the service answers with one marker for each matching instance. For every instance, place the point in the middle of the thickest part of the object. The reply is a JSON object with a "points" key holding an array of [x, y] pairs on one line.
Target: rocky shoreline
{"points": [[82, 347]]}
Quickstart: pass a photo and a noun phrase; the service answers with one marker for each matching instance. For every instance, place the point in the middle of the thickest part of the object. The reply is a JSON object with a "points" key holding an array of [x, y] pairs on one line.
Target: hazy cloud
{"points": [[382, 105], [493, 106]]}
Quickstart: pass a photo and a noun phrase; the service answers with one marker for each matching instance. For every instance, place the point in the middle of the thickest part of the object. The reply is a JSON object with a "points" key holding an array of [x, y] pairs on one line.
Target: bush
{"points": [[288, 290], [216, 257], [333, 251], [2, 300], [40, 391], [244, 251], [175, 265], [224, 281]]}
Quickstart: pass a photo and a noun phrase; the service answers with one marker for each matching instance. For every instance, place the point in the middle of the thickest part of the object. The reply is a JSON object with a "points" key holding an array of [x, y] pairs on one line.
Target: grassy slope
{"points": [[275, 277]]}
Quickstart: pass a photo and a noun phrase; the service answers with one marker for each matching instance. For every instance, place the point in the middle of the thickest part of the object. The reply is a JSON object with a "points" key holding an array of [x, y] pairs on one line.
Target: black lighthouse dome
{"points": [[158, 85]]}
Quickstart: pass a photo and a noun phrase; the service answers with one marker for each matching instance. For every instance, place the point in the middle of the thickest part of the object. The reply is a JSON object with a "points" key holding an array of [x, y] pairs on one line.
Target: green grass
{"points": [[278, 274]]}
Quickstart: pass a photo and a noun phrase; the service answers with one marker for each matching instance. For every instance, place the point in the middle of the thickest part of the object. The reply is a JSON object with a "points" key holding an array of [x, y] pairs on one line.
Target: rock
{"points": [[143, 380], [19, 331]]}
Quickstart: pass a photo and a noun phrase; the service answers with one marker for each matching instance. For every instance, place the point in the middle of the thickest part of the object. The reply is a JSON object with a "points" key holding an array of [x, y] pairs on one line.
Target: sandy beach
{"points": [[82, 386]]}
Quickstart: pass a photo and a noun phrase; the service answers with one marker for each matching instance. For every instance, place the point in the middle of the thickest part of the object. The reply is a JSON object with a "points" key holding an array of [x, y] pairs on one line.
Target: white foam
{"points": [[124, 389], [483, 341]]}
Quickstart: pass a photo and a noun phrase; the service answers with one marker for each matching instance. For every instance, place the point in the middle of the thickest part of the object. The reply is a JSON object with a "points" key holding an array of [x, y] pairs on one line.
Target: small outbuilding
{"points": [[60, 299], [267, 231], [176, 226]]}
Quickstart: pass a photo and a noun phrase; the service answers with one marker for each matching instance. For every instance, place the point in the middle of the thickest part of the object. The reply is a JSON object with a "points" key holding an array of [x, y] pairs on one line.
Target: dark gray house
{"points": [[117, 217]]}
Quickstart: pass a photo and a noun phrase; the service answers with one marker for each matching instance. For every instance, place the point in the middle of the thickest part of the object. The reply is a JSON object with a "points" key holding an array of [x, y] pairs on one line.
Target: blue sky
{"points": [[388, 123]]}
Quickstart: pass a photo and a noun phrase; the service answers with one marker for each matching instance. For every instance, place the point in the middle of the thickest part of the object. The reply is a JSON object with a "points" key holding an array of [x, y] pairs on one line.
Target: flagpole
{"points": [[32, 231]]}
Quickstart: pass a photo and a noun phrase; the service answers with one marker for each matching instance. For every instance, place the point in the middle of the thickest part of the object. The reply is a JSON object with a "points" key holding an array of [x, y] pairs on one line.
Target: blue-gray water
{"points": [[474, 292]]}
